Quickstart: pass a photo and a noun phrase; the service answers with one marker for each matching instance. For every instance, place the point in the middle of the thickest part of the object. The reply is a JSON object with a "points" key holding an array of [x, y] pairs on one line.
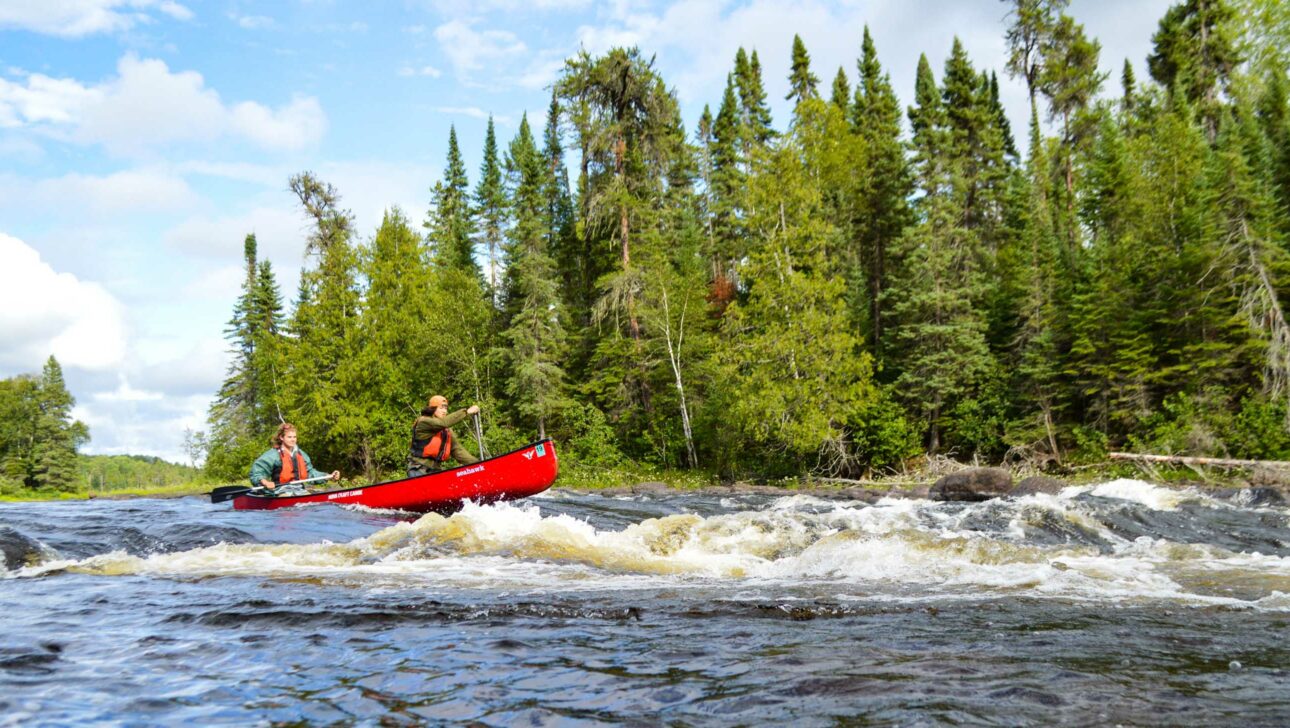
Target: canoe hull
{"points": [[517, 474]]}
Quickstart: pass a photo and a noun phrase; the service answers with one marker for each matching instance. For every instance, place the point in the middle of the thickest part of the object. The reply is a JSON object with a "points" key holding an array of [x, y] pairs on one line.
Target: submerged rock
{"points": [[19, 549], [973, 484], [1038, 484]]}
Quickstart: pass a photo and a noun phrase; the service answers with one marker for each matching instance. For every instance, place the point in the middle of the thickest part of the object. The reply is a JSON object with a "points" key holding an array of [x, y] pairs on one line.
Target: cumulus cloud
{"points": [[45, 312], [147, 106], [77, 18], [468, 49]]}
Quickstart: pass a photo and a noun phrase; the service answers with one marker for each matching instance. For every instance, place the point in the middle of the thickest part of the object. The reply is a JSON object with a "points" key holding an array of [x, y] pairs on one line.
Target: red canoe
{"points": [[517, 474]]}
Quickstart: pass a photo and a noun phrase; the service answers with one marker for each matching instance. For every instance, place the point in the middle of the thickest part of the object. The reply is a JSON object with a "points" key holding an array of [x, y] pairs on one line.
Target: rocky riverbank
{"points": [[972, 484]]}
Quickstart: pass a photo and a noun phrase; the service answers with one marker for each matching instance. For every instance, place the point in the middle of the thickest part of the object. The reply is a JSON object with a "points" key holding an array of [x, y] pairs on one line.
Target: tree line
{"points": [[865, 283]]}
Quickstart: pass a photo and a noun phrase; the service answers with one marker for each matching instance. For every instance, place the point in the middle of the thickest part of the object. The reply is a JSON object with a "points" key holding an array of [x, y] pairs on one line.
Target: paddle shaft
{"points": [[229, 492], [479, 436]]}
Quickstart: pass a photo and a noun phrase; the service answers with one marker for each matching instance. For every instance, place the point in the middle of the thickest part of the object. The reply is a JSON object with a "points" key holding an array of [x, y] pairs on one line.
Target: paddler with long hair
{"points": [[283, 463], [432, 439]]}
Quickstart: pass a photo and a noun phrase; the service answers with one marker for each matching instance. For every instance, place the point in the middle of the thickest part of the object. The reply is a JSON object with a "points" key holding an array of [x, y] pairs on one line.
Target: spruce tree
{"points": [[449, 223], [937, 334], [884, 212], [754, 112], [325, 321], [490, 210], [841, 97], [728, 191], [802, 84], [535, 330], [1195, 53], [53, 450]]}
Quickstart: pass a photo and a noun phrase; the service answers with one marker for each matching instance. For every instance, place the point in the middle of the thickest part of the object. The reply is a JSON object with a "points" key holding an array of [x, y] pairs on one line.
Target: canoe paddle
{"points": [[479, 437], [229, 492]]}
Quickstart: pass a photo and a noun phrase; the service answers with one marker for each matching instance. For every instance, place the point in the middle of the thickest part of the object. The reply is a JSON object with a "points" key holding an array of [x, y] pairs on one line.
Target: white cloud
{"points": [[279, 234], [469, 50], [430, 71], [147, 106], [77, 18], [45, 312], [252, 22], [126, 393], [128, 191], [43, 99], [474, 112], [300, 124]]}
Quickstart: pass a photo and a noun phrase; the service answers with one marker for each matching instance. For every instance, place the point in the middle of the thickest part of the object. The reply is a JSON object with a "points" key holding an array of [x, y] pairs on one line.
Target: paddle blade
{"points": [[228, 492]]}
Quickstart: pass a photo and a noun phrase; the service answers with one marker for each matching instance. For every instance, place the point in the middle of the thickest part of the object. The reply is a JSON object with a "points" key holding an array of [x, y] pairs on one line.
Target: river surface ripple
{"points": [[1116, 603]]}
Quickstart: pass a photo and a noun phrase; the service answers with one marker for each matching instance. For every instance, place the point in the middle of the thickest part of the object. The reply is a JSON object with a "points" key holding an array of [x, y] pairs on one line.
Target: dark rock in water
{"points": [[1038, 484], [652, 488], [973, 484], [19, 549], [1261, 496]]}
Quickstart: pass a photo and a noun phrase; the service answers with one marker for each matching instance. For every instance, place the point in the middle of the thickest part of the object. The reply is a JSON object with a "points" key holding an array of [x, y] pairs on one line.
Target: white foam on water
{"points": [[900, 547], [1153, 496]]}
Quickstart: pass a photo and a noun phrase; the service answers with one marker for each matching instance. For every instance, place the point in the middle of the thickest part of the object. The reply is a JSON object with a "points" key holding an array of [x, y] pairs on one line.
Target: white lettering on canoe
{"points": [[334, 496], [468, 471]]}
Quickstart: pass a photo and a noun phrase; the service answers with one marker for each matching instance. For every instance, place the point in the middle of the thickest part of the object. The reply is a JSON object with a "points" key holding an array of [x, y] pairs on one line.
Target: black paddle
{"points": [[229, 492]]}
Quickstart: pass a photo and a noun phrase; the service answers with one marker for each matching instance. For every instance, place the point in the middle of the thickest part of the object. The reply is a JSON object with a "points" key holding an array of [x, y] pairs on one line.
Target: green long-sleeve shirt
{"points": [[269, 465], [427, 427]]}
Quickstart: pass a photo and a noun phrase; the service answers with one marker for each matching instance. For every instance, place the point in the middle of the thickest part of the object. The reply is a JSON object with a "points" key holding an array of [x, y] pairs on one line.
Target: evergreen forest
{"points": [[888, 273]]}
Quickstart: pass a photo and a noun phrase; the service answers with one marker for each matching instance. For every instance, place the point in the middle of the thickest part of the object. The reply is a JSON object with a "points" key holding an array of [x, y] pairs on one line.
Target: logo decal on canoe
{"points": [[334, 496], [468, 471]]}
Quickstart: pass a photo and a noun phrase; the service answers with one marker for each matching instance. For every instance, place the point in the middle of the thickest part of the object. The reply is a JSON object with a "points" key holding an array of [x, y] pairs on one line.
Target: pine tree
{"points": [[449, 223], [802, 84], [490, 209], [1031, 30]]}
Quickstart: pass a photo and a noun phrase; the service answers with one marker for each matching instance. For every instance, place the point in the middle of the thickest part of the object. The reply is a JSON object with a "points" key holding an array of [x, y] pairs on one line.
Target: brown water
{"points": [[1122, 603]]}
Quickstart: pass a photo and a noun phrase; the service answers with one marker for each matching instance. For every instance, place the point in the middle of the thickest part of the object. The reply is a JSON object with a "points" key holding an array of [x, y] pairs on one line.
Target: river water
{"points": [[1116, 603]]}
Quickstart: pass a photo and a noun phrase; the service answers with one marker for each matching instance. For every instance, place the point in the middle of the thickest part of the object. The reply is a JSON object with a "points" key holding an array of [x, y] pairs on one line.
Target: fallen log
{"points": [[1184, 460]]}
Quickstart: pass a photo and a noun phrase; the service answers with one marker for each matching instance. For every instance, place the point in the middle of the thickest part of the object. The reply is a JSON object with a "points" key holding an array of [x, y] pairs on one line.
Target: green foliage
{"points": [[1258, 431], [106, 473], [882, 436], [828, 297], [587, 437], [38, 437]]}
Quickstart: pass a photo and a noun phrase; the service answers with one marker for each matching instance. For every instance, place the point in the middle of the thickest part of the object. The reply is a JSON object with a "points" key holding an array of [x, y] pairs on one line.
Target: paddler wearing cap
{"points": [[432, 438]]}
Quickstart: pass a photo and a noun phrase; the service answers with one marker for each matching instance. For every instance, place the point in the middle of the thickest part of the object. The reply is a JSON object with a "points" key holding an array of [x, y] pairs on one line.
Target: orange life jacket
{"points": [[292, 468], [437, 448]]}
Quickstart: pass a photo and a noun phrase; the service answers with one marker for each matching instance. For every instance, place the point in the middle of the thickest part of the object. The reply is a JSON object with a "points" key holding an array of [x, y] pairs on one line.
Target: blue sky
{"points": [[141, 140]]}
